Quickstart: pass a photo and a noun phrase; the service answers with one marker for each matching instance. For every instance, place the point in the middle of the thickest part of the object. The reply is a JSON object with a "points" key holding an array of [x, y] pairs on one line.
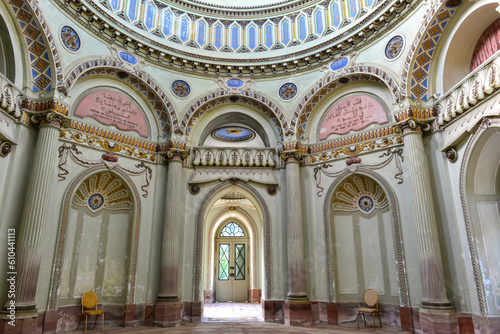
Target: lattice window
{"points": [[232, 230], [223, 262], [239, 255]]}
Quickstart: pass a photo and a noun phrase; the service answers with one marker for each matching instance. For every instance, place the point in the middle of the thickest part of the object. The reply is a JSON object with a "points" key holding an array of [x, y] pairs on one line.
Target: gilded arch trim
{"points": [[327, 85], [136, 79], [248, 97]]}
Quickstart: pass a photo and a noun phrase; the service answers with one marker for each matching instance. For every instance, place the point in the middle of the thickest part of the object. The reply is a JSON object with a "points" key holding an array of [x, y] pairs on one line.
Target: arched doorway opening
{"points": [[234, 265]]}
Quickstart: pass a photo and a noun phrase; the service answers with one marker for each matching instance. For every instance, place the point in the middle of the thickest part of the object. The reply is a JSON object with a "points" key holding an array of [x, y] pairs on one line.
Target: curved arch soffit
{"points": [[401, 268], [45, 60], [325, 86], [244, 97], [138, 80], [476, 267], [67, 199], [417, 66], [199, 234]]}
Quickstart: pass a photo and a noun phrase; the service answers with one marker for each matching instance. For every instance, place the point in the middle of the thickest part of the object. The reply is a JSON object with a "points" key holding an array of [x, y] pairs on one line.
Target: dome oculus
{"points": [[233, 134]]}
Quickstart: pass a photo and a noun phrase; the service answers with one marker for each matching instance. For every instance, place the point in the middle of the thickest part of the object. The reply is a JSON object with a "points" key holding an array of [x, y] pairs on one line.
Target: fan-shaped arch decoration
{"points": [[103, 191], [232, 230], [359, 193]]}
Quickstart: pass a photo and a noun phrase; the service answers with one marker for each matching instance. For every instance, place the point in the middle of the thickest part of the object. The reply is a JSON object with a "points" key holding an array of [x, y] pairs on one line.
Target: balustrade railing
{"points": [[468, 92], [234, 157], [10, 97]]}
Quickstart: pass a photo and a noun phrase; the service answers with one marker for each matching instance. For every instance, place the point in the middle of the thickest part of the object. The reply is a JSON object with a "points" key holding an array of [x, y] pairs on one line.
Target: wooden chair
{"points": [[89, 307], [370, 306]]}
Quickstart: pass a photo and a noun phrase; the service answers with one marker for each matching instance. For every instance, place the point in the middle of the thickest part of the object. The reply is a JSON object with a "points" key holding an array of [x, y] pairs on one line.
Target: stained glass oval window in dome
{"points": [[233, 134], [232, 230]]}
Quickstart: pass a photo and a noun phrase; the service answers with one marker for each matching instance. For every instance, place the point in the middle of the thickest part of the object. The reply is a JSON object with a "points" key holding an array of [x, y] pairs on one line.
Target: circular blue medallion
{"points": [[234, 83], [288, 91], [70, 38], [365, 203], [181, 88], [125, 56], [394, 47], [96, 201], [233, 134]]}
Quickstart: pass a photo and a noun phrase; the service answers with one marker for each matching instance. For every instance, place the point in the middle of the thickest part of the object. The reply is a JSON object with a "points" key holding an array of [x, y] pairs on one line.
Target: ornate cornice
{"points": [[169, 55]]}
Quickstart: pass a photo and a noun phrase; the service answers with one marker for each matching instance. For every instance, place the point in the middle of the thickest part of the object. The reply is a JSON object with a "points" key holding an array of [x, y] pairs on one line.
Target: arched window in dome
{"points": [[232, 230], [487, 45]]}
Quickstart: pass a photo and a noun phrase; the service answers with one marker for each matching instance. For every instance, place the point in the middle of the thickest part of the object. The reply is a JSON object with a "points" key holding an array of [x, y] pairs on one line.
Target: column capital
{"points": [[412, 125], [290, 156], [51, 118], [176, 155]]}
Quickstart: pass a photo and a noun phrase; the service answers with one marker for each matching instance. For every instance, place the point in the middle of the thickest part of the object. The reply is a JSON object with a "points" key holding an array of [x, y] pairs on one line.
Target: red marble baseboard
{"points": [[255, 295], [167, 314], [406, 318], [129, 316], [298, 313], [465, 324], [22, 326], [50, 321], [273, 311], [437, 322], [192, 311]]}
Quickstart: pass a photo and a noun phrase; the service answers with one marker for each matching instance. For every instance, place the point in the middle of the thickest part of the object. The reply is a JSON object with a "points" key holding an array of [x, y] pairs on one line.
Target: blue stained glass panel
{"points": [[269, 36], [336, 15], [285, 30], [132, 10], [150, 16], [184, 30], [201, 33], [232, 230], [235, 42], [251, 38], [353, 6], [114, 4], [166, 23], [218, 37], [302, 28], [319, 22]]}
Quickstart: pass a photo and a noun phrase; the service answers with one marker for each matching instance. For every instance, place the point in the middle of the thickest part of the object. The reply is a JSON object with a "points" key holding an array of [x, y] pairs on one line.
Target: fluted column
{"points": [[168, 308], [424, 217], [171, 224], [295, 233], [36, 204]]}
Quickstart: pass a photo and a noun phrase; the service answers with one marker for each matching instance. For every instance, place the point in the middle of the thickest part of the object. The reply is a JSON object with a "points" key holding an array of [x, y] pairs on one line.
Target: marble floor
{"points": [[239, 318]]}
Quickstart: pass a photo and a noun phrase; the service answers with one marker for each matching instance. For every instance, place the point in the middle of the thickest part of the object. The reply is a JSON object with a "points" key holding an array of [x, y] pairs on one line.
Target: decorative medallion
{"points": [[96, 201], [339, 63], [181, 88], [233, 134], [453, 3], [234, 83], [194, 189], [288, 91], [452, 155], [394, 47], [272, 190], [5, 149], [365, 203], [70, 38], [359, 193], [125, 56], [103, 191]]}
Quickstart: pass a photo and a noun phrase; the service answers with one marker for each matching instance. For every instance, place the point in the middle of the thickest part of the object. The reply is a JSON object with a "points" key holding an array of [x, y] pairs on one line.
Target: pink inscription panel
{"points": [[112, 108], [352, 114]]}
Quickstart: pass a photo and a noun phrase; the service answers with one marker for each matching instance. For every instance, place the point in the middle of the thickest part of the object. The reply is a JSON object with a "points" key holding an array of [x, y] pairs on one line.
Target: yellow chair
{"points": [[89, 307], [370, 306]]}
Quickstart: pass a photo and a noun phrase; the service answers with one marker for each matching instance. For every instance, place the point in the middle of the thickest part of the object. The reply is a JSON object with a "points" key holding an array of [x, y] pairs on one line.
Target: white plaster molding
{"points": [[258, 175]]}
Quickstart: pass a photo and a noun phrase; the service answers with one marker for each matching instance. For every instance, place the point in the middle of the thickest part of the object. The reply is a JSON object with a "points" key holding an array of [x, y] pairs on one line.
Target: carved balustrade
{"points": [[11, 97], [234, 157], [472, 89]]}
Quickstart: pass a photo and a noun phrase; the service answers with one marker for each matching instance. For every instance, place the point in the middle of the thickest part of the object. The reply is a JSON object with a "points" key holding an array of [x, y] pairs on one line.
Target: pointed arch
{"points": [[138, 80], [199, 234], [330, 83], [245, 97], [67, 199], [401, 268]]}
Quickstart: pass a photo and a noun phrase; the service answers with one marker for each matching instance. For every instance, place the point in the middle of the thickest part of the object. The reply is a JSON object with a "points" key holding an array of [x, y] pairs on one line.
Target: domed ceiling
{"points": [[239, 36]]}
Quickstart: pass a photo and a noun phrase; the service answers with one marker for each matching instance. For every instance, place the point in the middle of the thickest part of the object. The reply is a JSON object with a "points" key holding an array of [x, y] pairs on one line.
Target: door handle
{"points": [[231, 267], [231, 274]]}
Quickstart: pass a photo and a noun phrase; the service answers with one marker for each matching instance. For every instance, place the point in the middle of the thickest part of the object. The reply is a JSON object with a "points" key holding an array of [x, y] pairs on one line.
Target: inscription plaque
{"points": [[112, 108], [352, 113]]}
